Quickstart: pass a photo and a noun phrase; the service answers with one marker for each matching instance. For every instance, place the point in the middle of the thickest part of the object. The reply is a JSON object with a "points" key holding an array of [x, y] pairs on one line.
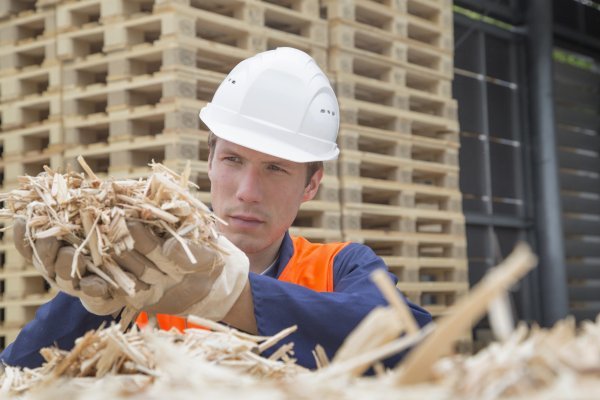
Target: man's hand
{"points": [[166, 281], [54, 263], [207, 288]]}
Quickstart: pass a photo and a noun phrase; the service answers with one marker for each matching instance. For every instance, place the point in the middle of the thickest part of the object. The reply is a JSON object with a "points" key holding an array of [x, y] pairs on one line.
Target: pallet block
{"points": [[27, 26]]}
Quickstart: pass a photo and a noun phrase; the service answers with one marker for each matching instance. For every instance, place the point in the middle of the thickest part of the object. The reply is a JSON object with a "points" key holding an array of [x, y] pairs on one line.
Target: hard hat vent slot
{"points": [[323, 111], [231, 80]]}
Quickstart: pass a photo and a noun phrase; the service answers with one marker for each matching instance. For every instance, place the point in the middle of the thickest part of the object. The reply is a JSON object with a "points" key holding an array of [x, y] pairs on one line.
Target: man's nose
{"points": [[250, 187]]}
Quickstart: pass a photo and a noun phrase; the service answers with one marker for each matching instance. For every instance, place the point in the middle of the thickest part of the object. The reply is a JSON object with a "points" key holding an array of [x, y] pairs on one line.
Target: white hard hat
{"points": [[278, 102]]}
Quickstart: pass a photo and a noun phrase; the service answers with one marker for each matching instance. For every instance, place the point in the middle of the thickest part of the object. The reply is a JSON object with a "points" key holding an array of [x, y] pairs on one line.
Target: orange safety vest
{"points": [[311, 266]]}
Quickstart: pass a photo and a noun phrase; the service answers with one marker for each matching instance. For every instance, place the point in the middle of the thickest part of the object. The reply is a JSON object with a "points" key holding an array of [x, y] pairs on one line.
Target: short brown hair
{"points": [[311, 167]]}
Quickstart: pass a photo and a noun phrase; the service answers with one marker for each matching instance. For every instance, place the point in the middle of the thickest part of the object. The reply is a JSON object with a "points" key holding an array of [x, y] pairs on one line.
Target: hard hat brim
{"points": [[297, 148]]}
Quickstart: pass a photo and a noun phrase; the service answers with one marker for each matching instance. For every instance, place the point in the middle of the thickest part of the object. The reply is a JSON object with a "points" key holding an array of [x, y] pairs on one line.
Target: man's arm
{"points": [[267, 305], [60, 322]]}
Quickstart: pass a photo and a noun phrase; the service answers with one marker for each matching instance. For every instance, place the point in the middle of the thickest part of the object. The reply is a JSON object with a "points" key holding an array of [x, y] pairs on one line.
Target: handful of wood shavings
{"points": [[91, 214]]}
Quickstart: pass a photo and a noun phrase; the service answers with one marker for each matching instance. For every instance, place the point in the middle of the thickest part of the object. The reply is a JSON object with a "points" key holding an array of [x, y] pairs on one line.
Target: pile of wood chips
{"points": [[150, 364]]}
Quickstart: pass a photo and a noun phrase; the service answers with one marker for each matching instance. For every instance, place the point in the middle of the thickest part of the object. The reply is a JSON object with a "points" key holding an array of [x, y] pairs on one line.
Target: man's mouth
{"points": [[244, 221]]}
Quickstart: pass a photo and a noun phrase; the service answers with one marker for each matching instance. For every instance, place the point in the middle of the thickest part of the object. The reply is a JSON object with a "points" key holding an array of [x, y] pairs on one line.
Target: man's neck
{"points": [[261, 260]]}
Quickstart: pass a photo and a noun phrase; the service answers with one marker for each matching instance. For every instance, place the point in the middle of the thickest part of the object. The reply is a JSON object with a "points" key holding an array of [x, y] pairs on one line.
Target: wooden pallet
{"points": [[368, 14], [381, 192], [31, 82], [278, 27], [88, 41], [368, 41], [27, 26], [77, 15], [384, 168], [180, 23], [418, 148], [32, 165], [292, 16], [132, 155], [145, 90], [97, 130], [369, 115], [24, 143], [187, 55], [428, 34], [320, 218], [410, 245], [392, 218], [397, 96], [435, 297], [27, 56], [377, 67], [427, 269], [31, 111]]}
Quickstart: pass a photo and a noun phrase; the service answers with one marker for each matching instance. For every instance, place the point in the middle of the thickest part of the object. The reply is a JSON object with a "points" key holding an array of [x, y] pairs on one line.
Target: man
{"points": [[274, 120]]}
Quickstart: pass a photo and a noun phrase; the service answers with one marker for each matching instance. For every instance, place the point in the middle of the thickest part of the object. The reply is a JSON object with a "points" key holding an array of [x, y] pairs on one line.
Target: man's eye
{"points": [[277, 168], [232, 159]]}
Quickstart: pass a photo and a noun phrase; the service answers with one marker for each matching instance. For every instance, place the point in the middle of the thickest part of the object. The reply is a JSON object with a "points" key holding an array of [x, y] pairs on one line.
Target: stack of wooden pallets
{"points": [[121, 83], [392, 66], [31, 116]]}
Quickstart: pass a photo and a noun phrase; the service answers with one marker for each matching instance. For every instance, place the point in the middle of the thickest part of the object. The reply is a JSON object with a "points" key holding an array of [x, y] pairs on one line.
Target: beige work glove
{"points": [[208, 288], [55, 260]]}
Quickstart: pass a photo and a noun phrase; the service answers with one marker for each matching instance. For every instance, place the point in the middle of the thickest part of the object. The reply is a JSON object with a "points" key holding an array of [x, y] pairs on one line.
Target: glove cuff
{"points": [[227, 288]]}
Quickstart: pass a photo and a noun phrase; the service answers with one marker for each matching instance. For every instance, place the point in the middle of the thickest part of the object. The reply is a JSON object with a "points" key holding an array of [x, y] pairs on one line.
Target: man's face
{"points": [[258, 195]]}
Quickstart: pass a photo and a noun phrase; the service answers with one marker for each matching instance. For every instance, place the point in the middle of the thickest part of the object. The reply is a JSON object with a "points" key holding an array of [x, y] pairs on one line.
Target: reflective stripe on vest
{"points": [[311, 266]]}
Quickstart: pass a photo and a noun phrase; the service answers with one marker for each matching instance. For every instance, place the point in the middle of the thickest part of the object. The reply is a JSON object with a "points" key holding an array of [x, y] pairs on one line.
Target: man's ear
{"points": [[310, 191]]}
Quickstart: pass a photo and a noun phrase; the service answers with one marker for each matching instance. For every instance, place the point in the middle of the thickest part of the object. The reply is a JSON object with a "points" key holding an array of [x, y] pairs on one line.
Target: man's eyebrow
{"points": [[281, 163]]}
